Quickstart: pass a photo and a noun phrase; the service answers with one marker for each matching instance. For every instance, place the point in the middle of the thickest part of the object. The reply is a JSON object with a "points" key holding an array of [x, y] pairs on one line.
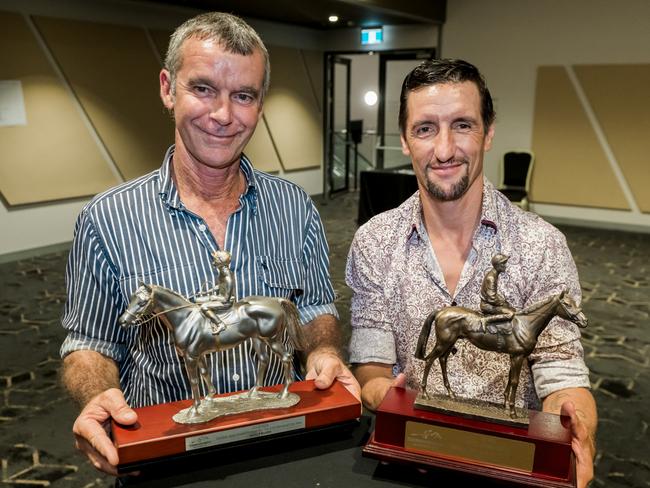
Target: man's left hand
{"points": [[325, 366], [581, 443]]}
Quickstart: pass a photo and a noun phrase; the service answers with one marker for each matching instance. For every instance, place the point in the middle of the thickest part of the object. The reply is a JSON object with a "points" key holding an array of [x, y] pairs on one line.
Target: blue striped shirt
{"points": [[141, 230]]}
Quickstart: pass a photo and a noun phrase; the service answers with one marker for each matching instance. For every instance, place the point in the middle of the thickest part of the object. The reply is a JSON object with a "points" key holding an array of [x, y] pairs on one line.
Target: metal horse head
{"points": [[140, 304]]}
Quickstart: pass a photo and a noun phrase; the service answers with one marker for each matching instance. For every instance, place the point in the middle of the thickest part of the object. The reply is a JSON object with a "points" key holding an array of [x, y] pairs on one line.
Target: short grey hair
{"points": [[232, 33]]}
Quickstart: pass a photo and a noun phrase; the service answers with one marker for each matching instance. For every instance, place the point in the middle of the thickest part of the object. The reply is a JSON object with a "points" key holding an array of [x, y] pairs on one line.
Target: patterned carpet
{"points": [[36, 417]]}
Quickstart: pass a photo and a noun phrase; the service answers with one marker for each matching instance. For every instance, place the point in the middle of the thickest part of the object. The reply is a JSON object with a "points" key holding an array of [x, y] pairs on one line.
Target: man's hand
{"points": [[324, 366], [578, 404], [582, 445], [92, 427]]}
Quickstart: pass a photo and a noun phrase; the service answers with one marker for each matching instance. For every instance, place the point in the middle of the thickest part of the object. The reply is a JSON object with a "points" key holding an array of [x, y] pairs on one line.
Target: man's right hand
{"points": [[92, 427]]}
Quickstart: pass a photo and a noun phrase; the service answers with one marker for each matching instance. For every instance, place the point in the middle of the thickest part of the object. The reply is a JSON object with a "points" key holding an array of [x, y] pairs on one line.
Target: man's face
{"points": [[445, 138], [217, 103]]}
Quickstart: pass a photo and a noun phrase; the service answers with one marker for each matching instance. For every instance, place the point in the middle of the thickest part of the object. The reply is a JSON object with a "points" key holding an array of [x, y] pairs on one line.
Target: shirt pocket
{"points": [[281, 276]]}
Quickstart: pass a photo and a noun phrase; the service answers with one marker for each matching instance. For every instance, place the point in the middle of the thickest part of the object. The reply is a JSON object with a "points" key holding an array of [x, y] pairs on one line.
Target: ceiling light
{"points": [[333, 18], [370, 97]]}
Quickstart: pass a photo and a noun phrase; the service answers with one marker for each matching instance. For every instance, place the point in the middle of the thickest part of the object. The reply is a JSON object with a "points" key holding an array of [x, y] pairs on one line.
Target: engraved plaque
{"points": [[474, 446]]}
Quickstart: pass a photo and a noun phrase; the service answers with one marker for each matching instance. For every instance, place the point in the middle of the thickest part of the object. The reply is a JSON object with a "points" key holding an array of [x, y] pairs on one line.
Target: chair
{"points": [[516, 168]]}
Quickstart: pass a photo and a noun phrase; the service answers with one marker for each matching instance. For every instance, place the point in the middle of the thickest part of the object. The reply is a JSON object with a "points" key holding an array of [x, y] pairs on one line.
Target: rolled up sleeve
{"points": [[93, 299], [372, 338]]}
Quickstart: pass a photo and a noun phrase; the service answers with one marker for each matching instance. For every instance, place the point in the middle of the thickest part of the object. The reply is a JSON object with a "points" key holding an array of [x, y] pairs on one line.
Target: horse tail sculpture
{"points": [[293, 325], [421, 349]]}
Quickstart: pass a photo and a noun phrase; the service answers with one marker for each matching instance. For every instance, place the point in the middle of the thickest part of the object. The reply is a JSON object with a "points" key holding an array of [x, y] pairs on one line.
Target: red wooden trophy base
{"points": [[537, 455], [157, 436]]}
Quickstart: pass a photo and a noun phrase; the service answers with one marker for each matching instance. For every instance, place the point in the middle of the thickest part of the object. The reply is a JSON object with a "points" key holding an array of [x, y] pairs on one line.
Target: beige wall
{"points": [[96, 137], [510, 39]]}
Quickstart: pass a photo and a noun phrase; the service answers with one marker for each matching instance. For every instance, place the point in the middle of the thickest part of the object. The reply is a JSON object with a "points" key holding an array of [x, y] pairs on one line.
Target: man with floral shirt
{"points": [[435, 249]]}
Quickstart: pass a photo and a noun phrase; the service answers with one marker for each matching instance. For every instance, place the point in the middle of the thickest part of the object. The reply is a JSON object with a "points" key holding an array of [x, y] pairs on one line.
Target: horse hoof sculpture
{"points": [[523, 329], [261, 319]]}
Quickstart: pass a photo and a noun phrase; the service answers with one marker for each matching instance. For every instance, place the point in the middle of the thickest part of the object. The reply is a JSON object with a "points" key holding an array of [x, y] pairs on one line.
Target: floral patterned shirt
{"points": [[394, 274]]}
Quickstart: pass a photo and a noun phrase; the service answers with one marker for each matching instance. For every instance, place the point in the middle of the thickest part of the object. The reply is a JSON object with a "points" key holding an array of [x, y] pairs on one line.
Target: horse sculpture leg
{"points": [[263, 357], [192, 373], [443, 367], [203, 369], [438, 352], [513, 382], [278, 348]]}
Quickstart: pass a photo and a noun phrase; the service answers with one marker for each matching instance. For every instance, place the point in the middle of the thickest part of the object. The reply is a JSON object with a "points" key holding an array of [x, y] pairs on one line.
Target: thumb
{"points": [[118, 409], [399, 381]]}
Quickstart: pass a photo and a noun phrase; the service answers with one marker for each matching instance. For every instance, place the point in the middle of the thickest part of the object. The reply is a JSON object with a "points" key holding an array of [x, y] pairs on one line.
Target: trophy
{"points": [[214, 322], [529, 448]]}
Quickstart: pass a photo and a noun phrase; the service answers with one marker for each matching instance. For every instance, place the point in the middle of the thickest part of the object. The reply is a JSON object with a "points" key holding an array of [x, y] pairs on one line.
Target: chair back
{"points": [[517, 167]]}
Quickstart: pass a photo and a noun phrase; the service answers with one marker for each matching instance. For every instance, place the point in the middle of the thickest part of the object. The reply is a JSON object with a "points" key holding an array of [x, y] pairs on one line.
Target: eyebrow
{"points": [[250, 90]]}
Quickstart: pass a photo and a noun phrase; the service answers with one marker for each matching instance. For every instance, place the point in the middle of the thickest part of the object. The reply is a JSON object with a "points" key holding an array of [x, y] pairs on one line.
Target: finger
{"points": [[92, 433], [327, 374], [96, 459], [399, 381], [113, 401], [347, 379]]}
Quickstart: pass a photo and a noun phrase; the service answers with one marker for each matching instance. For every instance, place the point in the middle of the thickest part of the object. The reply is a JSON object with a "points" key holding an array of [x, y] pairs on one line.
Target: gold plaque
{"points": [[510, 453]]}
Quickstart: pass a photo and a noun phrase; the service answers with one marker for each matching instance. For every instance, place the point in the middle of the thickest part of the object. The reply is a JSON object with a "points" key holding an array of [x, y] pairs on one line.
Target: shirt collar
{"points": [[488, 212], [169, 193]]}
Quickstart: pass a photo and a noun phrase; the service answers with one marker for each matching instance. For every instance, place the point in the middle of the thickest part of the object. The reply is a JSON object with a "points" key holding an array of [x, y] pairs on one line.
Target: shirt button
{"points": [[453, 304], [202, 227], [235, 377]]}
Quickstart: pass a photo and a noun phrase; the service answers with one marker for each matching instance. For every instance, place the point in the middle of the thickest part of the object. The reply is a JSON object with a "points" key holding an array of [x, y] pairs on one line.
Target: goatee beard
{"points": [[457, 190]]}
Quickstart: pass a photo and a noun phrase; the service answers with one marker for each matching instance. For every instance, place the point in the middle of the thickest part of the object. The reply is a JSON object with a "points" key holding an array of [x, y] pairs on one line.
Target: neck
{"points": [[455, 219], [199, 183]]}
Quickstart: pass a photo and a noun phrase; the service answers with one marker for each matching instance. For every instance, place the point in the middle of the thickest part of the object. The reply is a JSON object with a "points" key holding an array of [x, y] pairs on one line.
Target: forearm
{"points": [[375, 381], [324, 336], [584, 403], [86, 374]]}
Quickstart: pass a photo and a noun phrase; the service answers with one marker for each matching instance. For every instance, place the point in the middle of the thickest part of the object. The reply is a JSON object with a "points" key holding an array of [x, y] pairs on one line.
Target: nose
{"points": [[445, 146], [221, 110]]}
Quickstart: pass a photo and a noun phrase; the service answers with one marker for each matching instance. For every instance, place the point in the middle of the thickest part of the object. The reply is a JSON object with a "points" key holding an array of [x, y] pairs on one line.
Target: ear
{"points": [[406, 151], [562, 293], [147, 287], [166, 89], [489, 135]]}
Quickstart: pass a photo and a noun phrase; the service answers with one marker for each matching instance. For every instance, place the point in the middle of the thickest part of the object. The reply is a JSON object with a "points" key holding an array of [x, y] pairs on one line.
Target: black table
{"points": [[381, 190]]}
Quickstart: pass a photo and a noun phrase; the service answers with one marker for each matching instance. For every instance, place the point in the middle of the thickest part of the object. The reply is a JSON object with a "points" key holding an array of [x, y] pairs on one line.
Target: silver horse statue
{"points": [[261, 319], [518, 340]]}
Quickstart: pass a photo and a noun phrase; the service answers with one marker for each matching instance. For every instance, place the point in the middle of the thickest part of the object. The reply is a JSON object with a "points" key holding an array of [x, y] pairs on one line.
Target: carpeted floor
{"points": [[36, 417]]}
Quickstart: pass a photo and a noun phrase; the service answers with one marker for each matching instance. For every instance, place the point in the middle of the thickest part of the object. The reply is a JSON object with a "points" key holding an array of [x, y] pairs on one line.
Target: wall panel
{"points": [[54, 156], [260, 150], [618, 95], [114, 74], [292, 112], [570, 165]]}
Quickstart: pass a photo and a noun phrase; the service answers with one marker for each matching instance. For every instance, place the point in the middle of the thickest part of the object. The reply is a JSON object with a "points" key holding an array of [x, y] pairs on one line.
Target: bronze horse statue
{"points": [[453, 323], [262, 319]]}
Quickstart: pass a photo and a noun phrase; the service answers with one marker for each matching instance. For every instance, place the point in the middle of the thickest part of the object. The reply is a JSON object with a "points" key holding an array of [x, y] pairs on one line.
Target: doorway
{"points": [[361, 129]]}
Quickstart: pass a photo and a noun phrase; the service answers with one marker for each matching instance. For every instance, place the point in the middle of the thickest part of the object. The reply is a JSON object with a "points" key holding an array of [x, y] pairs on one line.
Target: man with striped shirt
{"points": [[162, 228]]}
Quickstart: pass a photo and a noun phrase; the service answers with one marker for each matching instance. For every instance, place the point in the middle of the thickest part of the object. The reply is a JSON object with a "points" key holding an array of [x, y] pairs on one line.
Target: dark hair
{"points": [[438, 71]]}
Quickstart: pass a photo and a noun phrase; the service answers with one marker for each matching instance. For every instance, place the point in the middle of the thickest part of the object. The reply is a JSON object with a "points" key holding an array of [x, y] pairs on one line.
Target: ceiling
{"points": [[314, 13]]}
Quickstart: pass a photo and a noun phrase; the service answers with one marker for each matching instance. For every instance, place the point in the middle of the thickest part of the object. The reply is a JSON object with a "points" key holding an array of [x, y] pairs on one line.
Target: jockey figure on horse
{"points": [[219, 298], [494, 306]]}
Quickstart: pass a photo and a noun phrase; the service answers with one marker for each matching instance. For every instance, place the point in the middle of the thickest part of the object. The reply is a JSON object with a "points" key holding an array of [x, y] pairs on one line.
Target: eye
{"points": [[463, 126], [423, 130], [201, 90], [244, 98]]}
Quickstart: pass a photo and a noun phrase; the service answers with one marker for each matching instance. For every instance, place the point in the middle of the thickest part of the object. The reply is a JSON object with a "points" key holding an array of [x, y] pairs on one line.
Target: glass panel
{"points": [[340, 150], [396, 71]]}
